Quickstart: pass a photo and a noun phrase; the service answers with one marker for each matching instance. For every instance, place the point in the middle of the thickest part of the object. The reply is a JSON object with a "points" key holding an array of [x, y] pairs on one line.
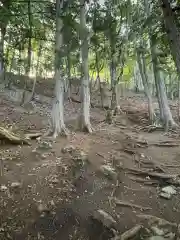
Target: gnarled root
{"points": [[87, 128], [63, 132]]}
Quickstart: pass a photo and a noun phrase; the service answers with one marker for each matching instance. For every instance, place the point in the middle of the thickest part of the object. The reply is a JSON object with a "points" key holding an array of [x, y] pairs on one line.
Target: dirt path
{"points": [[52, 190]]}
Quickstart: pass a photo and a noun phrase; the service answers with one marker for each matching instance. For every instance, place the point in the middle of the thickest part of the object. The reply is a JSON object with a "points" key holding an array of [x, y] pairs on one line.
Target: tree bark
{"points": [[98, 79], [142, 69], [37, 70], [173, 32], [28, 68], [165, 113], [85, 107], [68, 82], [4, 7], [58, 125]]}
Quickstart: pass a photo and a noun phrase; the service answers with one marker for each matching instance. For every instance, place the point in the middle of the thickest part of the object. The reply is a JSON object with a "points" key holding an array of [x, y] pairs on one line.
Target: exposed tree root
{"points": [[166, 144], [128, 204], [13, 138], [153, 174], [151, 128], [87, 128], [33, 135], [145, 181], [129, 233], [156, 220], [63, 132]]}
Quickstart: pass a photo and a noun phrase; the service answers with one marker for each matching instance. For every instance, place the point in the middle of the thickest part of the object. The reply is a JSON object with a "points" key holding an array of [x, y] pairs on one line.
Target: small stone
{"points": [[156, 238], [15, 184], [169, 189], [108, 171], [42, 208], [104, 217], [45, 145], [43, 156], [68, 149], [165, 195], [170, 236], [54, 180], [157, 231], [3, 188]]}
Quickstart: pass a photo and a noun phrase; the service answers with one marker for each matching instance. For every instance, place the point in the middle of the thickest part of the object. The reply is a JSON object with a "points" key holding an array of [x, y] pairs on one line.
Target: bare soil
{"points": [[52, 193]]}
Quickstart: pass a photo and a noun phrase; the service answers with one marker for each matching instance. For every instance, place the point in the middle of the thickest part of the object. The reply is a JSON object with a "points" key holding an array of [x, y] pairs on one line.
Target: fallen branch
{"points": [[129, 233], [128, 204], [11, 137]]}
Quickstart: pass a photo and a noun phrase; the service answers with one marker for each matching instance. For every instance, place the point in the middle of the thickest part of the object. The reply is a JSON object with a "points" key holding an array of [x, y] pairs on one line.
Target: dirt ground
{"points": [[53, 189]]}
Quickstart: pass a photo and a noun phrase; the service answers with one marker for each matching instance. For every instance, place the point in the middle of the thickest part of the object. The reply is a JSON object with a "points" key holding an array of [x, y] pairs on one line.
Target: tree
{"points": [[172, 30], [165, 113], [85, 106], [58, 125], [144, 77]]}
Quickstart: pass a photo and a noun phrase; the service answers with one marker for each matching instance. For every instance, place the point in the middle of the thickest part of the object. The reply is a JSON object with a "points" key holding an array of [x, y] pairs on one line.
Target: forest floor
{"points": [[89, 186]]}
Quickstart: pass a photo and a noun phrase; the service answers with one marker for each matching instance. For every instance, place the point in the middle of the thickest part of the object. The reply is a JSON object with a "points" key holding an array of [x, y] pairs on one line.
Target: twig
{"points": [[100, 154], [128, 204]]}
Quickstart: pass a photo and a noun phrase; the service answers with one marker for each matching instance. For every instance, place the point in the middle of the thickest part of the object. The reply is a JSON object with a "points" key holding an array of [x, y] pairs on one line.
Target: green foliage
{"points": [[117, 29]]}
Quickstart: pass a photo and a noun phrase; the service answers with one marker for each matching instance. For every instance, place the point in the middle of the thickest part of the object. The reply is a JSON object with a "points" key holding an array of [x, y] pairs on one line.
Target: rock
{"points": [[108, 171], [157, 231], [167, 192], [157, 238], [54, 181], [16, 184], [3, 188], [104, 217], [45, 145], [165, 195], [68, 149], [170, 236], [42, 208], [80, 158], [169, 189]]}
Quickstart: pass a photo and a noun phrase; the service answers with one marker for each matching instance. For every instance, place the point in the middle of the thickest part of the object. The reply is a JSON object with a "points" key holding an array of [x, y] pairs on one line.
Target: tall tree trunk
{"points": [[4, 8], [28, 68], [173, 32], [85, 107], [142, 69], [58, 125], [113, 84], [68, 81], [98, 79], [37, 71], [2, 35], [165, 113]]}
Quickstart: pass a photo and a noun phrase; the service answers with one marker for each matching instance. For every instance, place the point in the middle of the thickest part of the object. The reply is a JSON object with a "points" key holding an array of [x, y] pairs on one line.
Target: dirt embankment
{"points": [[87, 186]]}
